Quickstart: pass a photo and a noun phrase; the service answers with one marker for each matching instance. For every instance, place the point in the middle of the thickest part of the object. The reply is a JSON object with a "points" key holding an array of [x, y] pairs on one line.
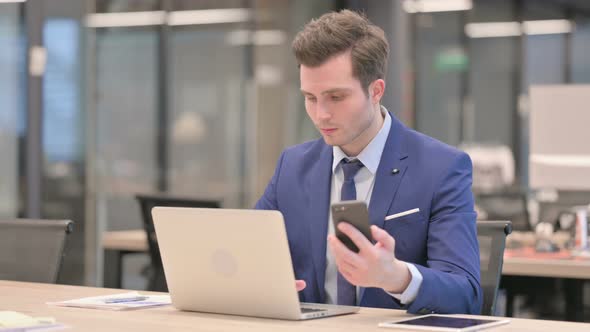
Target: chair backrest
{"points": [[32, 250], [147, 203], [492, 241]]}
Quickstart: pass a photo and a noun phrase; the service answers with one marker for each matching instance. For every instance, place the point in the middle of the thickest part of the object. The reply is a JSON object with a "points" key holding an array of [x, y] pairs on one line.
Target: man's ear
{"points": [[376, 90]]}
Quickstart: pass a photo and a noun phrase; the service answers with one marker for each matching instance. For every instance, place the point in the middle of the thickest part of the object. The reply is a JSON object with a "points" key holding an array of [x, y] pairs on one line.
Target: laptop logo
{"points": [[224, 263]]}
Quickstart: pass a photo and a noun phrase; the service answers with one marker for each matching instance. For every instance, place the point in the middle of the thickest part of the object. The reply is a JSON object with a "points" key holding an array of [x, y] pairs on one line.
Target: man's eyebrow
{"points": [[336, 90], [327, 91]]}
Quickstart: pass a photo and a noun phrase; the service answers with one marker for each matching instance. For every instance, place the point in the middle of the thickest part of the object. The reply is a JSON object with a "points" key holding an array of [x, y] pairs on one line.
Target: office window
{"points": [[63, 170], [126, 101], [441, 63], [580, 61], [544, 54], [491, 80], [207, 125], [12, 106], [63, 127]]}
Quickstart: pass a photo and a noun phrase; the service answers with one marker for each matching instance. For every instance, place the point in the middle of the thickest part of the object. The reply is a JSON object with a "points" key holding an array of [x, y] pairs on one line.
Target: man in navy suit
{"points": [[425, 255]]}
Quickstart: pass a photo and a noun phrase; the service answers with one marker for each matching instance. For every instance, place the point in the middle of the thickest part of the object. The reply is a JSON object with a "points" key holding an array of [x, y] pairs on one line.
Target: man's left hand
{"points": [[375, 265]]}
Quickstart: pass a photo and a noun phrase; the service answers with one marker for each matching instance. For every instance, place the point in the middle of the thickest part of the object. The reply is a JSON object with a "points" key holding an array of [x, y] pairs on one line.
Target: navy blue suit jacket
{"points": [[440, 240]]}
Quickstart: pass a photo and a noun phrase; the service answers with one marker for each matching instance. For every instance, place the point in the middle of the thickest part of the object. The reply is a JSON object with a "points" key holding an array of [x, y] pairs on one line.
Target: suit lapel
{"points": [[319, 195], [387, 181]]}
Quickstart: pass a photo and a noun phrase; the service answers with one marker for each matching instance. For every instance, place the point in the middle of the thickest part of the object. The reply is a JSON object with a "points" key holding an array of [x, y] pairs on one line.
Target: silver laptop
{"points": [[232, 262]]}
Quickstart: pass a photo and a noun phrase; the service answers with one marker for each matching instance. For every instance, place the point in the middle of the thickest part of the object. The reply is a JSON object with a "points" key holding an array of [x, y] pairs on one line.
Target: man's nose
{"points": [[323, 112]]}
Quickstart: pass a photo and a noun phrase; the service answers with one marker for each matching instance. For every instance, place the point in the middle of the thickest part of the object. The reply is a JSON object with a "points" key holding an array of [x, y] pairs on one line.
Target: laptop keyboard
{"points": [[305, 310]]}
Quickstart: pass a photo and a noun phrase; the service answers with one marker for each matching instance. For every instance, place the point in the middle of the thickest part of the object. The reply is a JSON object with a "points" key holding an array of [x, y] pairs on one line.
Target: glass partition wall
{"points": [[112, 98], [475, 61], [190, 99], [12, 99], [197, 98]]}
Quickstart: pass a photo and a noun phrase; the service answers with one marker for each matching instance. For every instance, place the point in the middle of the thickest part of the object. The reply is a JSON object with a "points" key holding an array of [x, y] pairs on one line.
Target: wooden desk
{"points": [[131, 240], [30, 299]]}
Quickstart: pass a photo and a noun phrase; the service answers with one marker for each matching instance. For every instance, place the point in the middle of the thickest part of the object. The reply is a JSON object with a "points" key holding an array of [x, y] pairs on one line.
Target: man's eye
{"points": [[312, 99], [337, 98]]}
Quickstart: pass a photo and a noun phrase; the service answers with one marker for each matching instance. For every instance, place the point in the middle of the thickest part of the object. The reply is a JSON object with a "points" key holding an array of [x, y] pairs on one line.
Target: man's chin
{"points": [[331, 141]]}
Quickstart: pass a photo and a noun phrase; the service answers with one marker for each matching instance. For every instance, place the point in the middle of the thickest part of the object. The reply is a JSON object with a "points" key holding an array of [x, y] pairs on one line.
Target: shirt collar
{"points": [[371, 154]]}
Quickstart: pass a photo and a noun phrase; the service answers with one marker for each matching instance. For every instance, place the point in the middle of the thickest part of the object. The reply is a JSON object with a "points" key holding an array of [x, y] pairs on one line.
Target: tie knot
{"points": [[350, 168]]}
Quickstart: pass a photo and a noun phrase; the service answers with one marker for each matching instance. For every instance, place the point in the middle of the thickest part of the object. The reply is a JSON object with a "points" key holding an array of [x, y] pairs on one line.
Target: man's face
{"points": [[338, 106]]}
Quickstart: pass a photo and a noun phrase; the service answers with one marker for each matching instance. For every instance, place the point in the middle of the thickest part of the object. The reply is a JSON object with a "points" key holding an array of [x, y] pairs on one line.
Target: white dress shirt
{"points": [[364, 182]]}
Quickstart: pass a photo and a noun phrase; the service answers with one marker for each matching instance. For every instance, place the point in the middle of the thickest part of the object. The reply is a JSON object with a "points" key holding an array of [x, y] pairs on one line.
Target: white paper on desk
{"points": [[36, 328], [12, 321], [98, 302]]}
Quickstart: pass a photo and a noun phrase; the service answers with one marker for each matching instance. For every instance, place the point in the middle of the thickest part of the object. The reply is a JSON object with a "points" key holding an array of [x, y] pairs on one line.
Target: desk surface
{"points": [[541, 265], [30, 299], [514, 264], [131, 240]]}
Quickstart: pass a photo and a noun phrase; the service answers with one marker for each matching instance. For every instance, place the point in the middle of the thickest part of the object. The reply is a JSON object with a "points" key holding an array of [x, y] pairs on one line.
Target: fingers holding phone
{"points": [[374, 265]]}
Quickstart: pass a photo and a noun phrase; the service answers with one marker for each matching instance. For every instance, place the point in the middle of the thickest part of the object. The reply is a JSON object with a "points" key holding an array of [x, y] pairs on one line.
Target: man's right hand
{"points": [[300, 285]]}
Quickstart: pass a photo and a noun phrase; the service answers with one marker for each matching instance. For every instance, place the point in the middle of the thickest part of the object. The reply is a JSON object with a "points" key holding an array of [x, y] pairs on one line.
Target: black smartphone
{"points": [[354, 213]]}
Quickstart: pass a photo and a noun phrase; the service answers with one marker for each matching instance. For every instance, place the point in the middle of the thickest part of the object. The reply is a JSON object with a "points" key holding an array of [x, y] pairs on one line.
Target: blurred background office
{"points": [[101, 100]]}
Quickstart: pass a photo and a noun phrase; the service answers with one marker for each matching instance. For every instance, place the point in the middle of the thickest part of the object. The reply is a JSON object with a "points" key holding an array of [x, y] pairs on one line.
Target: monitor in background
{"points": [[504, 205], [559, 150]]}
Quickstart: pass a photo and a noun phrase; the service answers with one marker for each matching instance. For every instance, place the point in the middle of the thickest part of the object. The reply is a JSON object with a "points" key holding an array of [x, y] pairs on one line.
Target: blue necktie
{"points": [[346, 290]]}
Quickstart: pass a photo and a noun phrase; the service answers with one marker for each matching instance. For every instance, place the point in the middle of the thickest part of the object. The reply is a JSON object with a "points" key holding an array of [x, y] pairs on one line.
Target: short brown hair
{"points": [[337, 32]]}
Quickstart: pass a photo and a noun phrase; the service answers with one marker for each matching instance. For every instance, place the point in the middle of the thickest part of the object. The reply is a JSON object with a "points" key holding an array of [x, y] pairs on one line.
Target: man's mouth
{"points": [[327, 130]]}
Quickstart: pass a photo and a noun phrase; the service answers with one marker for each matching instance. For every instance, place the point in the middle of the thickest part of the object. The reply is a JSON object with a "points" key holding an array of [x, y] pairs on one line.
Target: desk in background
{"points": [[116, 246], [30, 299], [574, 271], [526, 262], [119, 243]]}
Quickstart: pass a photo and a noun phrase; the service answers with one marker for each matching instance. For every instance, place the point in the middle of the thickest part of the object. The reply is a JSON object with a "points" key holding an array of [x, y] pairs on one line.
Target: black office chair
{"points": [[492, 241], [32, 250], [157, 280], [505, 205]]}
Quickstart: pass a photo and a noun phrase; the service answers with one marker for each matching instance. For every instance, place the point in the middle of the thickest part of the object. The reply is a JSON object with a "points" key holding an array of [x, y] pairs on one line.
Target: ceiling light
{"points": [[125, 19], [545, 27], [431, 6], [493, 29]]}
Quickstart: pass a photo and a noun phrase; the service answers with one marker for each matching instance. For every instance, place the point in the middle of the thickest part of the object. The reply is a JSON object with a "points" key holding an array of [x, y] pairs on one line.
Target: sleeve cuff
{"points": [[412, 290]]}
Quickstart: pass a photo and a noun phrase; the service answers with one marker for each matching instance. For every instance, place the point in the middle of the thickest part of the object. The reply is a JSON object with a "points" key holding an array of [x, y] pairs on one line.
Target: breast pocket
{"points": [[409, 233], [414, 221], [405, 216]]}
